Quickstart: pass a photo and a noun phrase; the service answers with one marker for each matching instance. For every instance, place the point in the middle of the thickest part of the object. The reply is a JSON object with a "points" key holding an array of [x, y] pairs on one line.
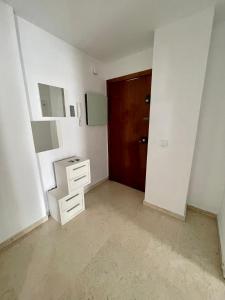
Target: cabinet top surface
{"points": [[70, 161], [59, 193]]}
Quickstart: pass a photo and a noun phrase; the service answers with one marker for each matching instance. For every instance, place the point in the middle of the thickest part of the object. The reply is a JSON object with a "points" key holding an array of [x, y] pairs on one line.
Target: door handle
{"points": [[143, 140], [148, 99]]}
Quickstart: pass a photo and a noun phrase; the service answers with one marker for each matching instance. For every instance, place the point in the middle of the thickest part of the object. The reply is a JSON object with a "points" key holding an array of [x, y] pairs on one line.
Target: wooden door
{"points": [[128, 109]]}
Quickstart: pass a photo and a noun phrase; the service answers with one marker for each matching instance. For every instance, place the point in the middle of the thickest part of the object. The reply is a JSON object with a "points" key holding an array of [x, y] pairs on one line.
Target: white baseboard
{"points": [[202, 211], [221, 245], [92, 186], [165, 211], [23, 233]]}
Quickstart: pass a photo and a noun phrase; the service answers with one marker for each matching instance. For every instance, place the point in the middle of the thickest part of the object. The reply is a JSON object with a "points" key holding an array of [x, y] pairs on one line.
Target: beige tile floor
{"points": [[117, 249]]}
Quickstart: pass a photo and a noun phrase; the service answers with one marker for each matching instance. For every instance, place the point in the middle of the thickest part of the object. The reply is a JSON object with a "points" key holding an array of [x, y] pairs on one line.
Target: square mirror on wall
{"points": [[45, 135], [96, 109], [52, 100]]}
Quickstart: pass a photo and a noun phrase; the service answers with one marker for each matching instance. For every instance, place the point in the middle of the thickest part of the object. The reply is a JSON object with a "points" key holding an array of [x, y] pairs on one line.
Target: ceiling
{"points": [[106, 29]]}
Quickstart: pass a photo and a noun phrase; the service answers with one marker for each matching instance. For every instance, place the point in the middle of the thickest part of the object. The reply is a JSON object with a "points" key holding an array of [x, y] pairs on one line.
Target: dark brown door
{"points": [[129, 107]]}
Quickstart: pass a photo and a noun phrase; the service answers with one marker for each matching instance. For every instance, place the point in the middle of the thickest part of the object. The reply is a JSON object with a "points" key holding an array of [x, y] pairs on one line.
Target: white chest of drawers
{"points": [[67, 200], [72, 173], [63, 207]]}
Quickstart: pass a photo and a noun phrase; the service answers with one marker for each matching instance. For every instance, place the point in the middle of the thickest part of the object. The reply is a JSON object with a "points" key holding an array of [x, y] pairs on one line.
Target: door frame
{"points": [[129, 76], [117, 79]]}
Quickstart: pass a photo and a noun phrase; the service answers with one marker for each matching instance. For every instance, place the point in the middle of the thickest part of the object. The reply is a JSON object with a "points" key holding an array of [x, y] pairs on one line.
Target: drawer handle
{"points": [[79, 178], [79, 167], [73, 207], [72, 197]]}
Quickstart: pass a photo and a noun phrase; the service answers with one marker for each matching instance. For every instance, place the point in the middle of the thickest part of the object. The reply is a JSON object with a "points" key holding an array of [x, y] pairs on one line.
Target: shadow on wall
{"points": [[10, 209], [206, 188], [20, 192]]}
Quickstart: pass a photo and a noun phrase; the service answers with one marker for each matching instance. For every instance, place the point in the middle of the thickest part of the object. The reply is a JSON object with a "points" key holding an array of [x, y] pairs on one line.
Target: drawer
{"points": [[70, 213], [79, 182], [67, 203], [77, 170]]}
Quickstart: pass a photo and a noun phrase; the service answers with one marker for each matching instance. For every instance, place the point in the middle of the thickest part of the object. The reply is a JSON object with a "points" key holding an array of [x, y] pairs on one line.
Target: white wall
{"points": [[179, 65], [208, 172], [21, 197], [50, 60], [130, 64]]}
